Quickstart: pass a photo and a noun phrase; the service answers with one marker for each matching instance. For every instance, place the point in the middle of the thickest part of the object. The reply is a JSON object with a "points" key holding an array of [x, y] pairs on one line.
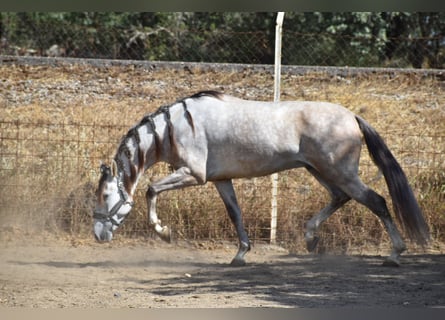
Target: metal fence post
{"points": [[277, 75]]}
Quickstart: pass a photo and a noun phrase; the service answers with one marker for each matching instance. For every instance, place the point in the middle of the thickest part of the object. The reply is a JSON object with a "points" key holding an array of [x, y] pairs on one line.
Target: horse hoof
{"points": [[312, 244], [237, 262], [165, 234], [391, 262]]}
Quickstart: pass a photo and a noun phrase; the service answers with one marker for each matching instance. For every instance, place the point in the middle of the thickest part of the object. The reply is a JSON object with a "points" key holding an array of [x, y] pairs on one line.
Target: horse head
{"points": [[112, 205]]}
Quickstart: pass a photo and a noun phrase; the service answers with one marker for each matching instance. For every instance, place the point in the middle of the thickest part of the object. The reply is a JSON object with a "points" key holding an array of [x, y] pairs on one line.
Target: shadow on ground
{"points": [[323, 281]]}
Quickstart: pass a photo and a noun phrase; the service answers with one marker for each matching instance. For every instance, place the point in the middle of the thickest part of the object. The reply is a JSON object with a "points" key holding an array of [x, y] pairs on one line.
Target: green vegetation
{"points": [[396, 39]]}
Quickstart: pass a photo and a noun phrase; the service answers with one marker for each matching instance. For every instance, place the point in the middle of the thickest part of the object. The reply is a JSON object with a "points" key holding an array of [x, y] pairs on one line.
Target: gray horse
{"points": [[215, 137]]}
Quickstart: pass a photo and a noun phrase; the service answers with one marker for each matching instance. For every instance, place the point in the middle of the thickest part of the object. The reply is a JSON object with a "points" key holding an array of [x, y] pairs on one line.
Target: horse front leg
{"points": [[179, 179], [227, 193], [163, 232]]}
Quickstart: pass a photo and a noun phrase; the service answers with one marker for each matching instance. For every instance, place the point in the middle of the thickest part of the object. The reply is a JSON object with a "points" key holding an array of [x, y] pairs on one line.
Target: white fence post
{"points": [[277, 78]]}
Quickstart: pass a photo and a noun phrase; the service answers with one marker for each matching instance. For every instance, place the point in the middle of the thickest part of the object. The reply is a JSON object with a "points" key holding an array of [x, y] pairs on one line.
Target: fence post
{"points": [[277, 78]]}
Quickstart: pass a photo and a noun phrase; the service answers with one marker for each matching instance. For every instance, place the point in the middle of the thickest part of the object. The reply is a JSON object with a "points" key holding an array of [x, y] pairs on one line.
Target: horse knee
{"points": [[150, 193]]}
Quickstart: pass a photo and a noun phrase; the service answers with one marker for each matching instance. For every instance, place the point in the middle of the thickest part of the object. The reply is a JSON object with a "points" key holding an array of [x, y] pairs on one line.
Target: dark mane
{"points": [[148, 119], [164, 108], [207, 93], [105, 176]]}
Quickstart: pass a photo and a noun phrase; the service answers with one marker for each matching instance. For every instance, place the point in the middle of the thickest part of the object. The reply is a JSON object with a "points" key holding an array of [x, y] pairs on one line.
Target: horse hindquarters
{"points": [[336, 167]]}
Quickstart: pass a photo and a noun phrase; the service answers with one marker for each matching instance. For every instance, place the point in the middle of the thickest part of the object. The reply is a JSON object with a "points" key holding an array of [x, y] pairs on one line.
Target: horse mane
{"points": [[207, 93], [198, 95], [133, 133]]}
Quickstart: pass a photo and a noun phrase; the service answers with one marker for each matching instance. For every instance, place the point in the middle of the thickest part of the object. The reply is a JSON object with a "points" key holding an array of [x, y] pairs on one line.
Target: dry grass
{"points": [[57, 123]]}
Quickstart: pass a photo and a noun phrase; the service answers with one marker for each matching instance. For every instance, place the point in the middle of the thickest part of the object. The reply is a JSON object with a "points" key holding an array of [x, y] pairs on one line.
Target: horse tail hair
{"points": [[405, 205]]}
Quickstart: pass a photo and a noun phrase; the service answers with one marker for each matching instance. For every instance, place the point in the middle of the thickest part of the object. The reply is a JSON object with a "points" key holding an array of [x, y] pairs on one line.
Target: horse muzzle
{"points": [[103, 231]]}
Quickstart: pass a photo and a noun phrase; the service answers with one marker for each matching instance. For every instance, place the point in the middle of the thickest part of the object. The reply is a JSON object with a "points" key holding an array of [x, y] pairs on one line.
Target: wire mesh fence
{"points": [[49, 170], [59, 122], [323, 39], [61, 117]]}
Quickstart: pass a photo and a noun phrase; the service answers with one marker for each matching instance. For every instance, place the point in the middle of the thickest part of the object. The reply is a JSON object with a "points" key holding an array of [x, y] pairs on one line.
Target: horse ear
{"points": [[114, 168], [103, 167]]}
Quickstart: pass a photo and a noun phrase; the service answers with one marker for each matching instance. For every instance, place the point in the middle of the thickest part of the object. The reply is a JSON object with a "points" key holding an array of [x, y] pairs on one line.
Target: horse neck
{"points": [[131, 158], [143, 146], [163, 137], [128, 171]]}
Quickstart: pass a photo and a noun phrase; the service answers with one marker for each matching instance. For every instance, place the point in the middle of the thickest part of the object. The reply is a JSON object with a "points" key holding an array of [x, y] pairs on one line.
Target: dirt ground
{"points": [[158, 275]]}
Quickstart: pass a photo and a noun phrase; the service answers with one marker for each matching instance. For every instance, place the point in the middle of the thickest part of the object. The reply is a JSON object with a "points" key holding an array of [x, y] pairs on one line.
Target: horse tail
{"points": [[405, 205]]}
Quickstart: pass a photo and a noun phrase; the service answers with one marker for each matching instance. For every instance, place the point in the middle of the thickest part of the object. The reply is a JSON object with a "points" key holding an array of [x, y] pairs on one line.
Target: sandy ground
{"points": [[158, 275]]}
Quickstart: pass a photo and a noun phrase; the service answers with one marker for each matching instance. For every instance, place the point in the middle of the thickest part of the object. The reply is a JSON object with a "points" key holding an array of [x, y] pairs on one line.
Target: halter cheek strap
{"points": [[122, 201], [110, 216]]}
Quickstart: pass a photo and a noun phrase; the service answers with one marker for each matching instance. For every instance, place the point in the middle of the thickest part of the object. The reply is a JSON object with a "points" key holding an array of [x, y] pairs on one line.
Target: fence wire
{"points": [[369, 41], [59, 122], [60, 117], [48, 173]]}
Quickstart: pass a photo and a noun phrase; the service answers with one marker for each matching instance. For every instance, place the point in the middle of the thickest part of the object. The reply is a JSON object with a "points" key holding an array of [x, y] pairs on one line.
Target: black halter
{"points": [[109, 216]]}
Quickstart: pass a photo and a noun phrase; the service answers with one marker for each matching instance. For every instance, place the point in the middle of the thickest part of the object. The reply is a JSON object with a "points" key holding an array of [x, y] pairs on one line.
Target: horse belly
{"points": [[242, 164]]}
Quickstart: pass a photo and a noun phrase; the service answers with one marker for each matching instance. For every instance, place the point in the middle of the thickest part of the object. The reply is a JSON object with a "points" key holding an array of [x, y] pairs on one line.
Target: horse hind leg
{"points": [[315, 222], [377, 204], [338, 199]]}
